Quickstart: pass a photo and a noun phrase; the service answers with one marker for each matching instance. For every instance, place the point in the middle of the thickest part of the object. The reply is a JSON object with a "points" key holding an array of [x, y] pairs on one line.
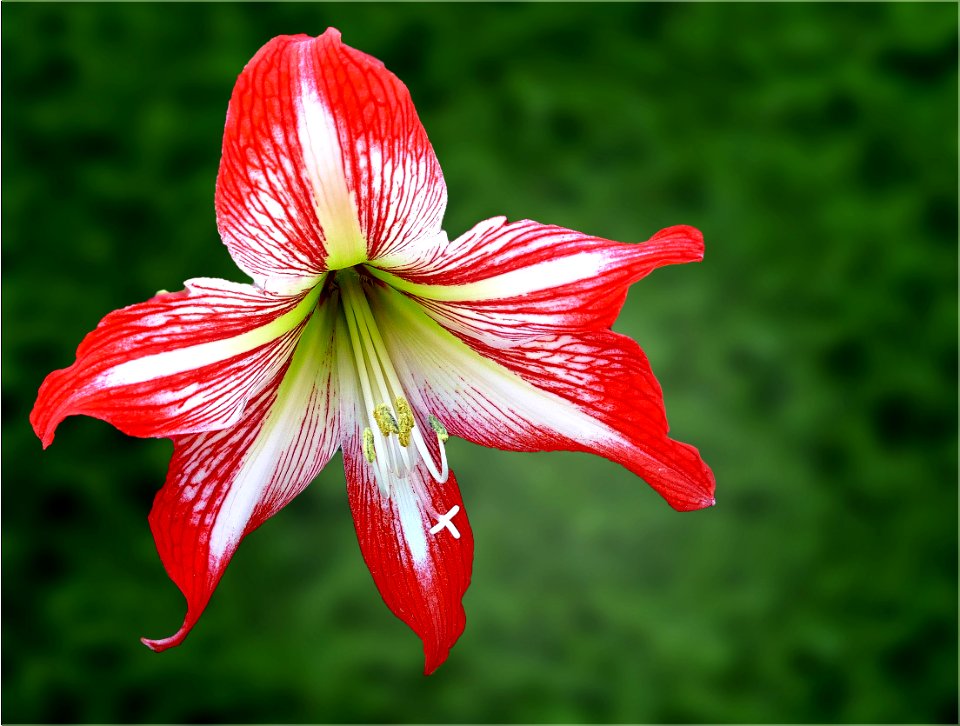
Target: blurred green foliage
{"points": [[812, 358]]}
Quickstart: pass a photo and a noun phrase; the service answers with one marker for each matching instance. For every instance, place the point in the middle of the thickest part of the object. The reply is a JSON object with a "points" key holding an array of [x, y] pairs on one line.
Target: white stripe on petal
{"points": [[533, 278], [299, 421], [323, 157], [224, 484], [410, 521], [444, 375], [180, 360]]}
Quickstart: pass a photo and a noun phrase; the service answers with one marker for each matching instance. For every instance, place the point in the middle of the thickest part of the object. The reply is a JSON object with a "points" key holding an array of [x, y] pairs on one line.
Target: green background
{"points": [[811, 357]]}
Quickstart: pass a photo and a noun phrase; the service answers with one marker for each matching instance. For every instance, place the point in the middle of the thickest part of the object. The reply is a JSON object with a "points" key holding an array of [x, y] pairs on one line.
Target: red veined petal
{"points": [[325, 163], [607, 376], [417, 541], [179, 363], [591, 391], [224, 484], [419, 547], [503, 282]]}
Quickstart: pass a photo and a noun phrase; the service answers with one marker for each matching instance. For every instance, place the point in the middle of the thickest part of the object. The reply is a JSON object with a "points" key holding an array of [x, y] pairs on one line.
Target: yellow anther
{"points": [[438, 428], [402, 407], [369, 452], [385, 420], [405, 420]]}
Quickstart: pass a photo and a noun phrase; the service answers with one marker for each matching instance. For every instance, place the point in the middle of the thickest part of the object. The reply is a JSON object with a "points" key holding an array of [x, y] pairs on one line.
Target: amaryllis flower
{"points": [[367, 330]]}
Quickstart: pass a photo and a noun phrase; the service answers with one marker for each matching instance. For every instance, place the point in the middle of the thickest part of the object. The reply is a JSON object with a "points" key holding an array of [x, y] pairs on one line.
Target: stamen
{"points": [[369, 452], [379, 472], [385, 420], [405, 420], [438, 428], [376, 371]]}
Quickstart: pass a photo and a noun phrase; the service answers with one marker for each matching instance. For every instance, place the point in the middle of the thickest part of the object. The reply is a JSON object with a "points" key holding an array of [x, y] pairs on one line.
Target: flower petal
{"points": [[325, 163], [179, 363], [502, 282], [417, 541], [592, 391], [224, 484]]}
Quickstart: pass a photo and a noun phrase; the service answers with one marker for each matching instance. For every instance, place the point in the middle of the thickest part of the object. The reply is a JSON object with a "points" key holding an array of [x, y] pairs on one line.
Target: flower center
{"points": [[392, 426]]}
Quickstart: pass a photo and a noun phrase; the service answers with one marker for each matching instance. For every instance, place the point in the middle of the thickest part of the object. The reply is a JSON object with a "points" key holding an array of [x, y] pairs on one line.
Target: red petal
{"points": [[224, 484], [511, 281], [178, 363], [592, 391], [608, 377], [325, 163], [419, 547]]}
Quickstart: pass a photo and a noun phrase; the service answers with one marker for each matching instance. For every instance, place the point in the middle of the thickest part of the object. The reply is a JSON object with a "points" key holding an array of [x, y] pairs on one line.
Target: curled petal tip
{"points": [[681, 230], [686, 239], [331, 33], [158, 646], [153, 645]]}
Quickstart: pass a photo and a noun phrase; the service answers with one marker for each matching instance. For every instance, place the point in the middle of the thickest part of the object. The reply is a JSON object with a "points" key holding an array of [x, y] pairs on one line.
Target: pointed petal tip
{"points": [[43, 426], [433, 658], [430, 667], [693, 505], [436, 651], [41, 431]]}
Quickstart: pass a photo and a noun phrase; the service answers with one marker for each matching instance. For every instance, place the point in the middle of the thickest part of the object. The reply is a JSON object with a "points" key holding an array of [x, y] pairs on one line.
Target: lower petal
{"points": [[415, 538], [222, 485]]}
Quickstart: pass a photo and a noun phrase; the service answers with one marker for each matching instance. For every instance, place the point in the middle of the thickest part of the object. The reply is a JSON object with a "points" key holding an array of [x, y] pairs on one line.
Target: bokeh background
{"points": [[812, 358]]}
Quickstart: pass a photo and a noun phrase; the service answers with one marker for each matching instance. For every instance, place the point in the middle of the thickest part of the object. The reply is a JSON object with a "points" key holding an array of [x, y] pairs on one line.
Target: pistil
{"points": [[391, 430]]}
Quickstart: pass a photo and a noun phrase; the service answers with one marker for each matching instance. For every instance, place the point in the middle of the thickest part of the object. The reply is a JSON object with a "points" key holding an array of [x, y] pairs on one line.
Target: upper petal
{"points": [[178, 363], [502, 282], [325, 163], [222, 485]]}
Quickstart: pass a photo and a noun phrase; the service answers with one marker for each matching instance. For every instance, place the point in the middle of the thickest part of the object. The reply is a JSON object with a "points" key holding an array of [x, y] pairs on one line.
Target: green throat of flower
{"points": [[391, 424]]}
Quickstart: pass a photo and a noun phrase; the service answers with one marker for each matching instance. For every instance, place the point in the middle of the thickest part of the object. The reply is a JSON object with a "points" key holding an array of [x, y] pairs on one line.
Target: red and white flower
{"points": [[367, 330]]}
